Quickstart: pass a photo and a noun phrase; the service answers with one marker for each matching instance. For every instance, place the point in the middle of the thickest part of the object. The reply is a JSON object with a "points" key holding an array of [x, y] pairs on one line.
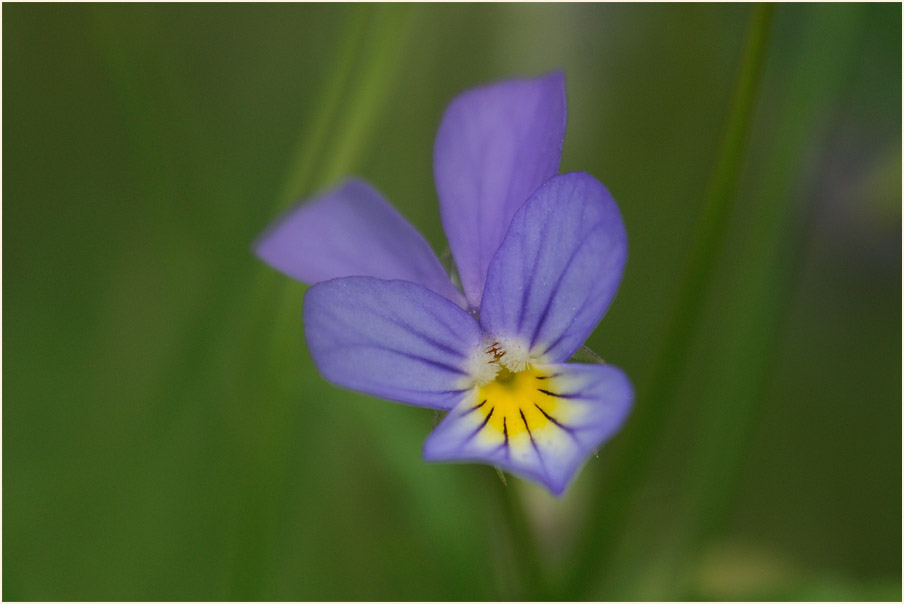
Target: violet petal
{"points": [[392, 339], [557, 269], [579, 407], [352, 230], [494, 147]]}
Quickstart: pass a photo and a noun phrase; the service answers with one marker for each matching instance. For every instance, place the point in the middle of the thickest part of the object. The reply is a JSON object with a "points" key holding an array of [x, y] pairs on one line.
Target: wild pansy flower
{"points": [[540, 257]]}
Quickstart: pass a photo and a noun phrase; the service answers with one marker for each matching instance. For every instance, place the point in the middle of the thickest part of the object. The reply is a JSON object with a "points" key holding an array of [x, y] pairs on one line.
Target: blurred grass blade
{"points": [[364, 91], [313, 140], [614, 496], [363, 76], [763, 281], [374, 84]]}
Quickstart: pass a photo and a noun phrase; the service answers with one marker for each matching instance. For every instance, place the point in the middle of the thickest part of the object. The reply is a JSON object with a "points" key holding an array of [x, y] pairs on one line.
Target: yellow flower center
{"points": [[517, 402]]}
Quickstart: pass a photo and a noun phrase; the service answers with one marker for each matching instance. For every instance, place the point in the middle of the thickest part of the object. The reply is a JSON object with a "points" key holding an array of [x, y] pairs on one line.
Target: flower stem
{"points": [[615, 495], [529, 582]]}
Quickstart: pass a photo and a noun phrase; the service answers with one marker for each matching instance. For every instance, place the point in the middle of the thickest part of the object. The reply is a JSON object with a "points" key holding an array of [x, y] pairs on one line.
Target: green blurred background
{"points": [[166, 435]]}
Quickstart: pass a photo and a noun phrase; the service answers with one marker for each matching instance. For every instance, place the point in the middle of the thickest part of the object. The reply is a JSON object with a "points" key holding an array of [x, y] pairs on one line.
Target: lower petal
{"points": [[547, 433]]}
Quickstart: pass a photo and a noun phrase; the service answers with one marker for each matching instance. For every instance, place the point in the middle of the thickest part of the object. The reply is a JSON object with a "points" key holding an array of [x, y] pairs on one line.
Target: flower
{"points": [[540, 257]]}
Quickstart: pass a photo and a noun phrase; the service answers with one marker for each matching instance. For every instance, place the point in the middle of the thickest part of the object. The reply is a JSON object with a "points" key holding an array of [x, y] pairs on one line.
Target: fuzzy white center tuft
{"points": [[515, 355], [482, 366]]}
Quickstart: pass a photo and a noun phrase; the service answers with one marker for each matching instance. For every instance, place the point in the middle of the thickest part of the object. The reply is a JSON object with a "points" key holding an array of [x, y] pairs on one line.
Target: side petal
{"points": [[557, 269], [392, 339], [351, 231], [494, 147], [548, 435]]}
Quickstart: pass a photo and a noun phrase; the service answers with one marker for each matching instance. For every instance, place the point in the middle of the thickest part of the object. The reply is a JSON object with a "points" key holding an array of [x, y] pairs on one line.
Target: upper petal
{"points": [[547, 435], [557, 269], [494, 147], [392, 339], [351, 230]]}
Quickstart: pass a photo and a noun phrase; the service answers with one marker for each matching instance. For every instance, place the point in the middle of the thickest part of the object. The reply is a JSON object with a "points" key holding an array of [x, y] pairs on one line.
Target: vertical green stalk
{"points": [[614, 497], [766, 271]]}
